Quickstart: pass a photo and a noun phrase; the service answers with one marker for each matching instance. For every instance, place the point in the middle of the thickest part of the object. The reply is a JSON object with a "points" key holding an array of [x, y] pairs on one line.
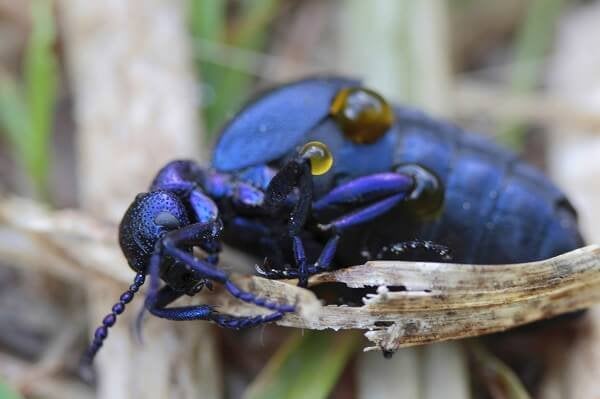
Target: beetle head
{"points": [[148, 218]]}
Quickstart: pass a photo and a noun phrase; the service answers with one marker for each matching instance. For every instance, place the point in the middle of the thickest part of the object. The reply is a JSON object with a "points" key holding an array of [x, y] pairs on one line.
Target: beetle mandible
{"points": [[323, 173]]}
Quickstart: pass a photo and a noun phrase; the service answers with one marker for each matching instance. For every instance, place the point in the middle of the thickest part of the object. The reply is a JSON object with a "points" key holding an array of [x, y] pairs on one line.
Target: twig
{"points": [[441, 301]]}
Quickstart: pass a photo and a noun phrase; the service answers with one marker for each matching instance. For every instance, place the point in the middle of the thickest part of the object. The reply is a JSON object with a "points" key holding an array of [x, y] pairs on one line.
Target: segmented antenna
{"points": [[102, 332]]}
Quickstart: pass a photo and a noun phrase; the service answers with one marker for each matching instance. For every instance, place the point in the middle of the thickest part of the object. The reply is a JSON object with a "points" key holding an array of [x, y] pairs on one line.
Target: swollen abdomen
{"points": [[497, 208]]}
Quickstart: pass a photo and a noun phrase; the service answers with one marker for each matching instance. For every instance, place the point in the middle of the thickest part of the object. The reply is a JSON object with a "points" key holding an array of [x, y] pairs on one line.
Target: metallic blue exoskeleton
{"points": [[157, 235], [402, 185], [496, 208]]}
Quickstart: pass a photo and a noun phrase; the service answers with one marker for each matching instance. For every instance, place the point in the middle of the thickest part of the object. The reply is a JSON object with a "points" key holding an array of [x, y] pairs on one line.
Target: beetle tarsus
{"points": [[323, 264]]}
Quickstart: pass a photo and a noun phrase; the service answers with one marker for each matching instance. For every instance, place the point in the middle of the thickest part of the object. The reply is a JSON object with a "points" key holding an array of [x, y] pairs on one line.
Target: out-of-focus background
{"points": [[96, 96]]}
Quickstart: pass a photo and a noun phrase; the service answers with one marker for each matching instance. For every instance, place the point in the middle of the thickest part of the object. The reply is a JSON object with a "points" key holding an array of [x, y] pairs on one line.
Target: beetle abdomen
{"points": [[497, 208]]}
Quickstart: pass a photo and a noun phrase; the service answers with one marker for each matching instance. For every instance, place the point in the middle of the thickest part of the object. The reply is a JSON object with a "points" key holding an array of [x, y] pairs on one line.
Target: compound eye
{"points": [[427, 197], [166, 220], [319, 155], [363, 115]]}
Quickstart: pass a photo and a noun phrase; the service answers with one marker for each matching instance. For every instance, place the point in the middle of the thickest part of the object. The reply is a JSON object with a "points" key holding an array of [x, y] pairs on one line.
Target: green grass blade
{"points": [[229, 85], [208, 21], [306, 366], [208, 18], [14, 118], [40, 74], [233, 85], [250, 32], [533, 41]]}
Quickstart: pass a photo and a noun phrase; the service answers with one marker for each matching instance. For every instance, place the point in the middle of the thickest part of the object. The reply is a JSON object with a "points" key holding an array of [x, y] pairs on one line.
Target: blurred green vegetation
{"points": [[226, 88], [7, 393], [27, 107], [306, 366], [531, 46], [495, 370]]}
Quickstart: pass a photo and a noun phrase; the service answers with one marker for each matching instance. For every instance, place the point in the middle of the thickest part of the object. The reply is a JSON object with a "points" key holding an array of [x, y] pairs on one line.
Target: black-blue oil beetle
{"points": [[323, 173]]}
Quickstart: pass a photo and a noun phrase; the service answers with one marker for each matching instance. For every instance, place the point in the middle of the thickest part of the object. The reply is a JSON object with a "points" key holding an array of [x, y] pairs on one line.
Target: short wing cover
{"points": [[275, 122]]}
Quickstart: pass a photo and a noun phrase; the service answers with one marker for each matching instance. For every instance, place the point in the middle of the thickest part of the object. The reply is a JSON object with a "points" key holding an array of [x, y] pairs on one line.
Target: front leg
{"points": [[176, 244], [295, 174], [157, 306], [176, 241]]}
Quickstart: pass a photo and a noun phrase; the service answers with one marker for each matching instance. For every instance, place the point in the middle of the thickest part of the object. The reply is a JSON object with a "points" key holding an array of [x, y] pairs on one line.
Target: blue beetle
{"points": [[397, 176], [323, 173]]}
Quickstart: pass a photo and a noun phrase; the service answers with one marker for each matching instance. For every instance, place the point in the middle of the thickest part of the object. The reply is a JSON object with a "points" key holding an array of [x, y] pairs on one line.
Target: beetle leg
{"points": [[153, 288], [172, 242], [392, 187], [381, 191], [302, 273], [365, 189], [365, 214], [246, 296], [294, 174], [305, 270], [420, 189], [157, 306], [284, 182], [301, 262], [357, 217], [188, 236]]}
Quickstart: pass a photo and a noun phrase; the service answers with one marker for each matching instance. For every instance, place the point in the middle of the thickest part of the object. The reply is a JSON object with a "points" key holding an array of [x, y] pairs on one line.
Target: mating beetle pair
{"points": [[324, 173]]}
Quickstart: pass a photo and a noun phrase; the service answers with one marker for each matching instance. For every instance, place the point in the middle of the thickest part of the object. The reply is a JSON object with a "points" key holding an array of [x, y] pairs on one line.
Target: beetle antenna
{"points": [[110, 319]]}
